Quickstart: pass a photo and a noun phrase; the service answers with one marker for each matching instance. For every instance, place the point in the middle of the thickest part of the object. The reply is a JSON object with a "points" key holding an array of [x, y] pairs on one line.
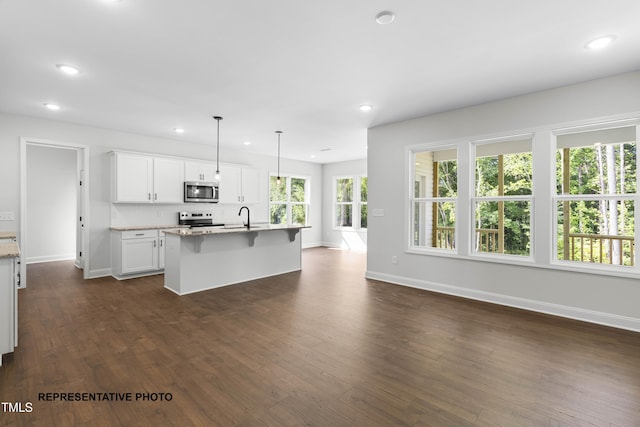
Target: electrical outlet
{"points": [[394, 259], [7, 216]]}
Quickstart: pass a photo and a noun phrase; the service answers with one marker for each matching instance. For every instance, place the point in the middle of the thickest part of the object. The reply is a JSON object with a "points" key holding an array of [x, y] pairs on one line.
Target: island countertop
{"points": [[201, 231], [9, 250]]}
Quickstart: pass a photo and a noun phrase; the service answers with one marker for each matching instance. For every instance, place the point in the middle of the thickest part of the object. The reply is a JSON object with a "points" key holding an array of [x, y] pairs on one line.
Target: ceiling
{"points": [[303, 67]]}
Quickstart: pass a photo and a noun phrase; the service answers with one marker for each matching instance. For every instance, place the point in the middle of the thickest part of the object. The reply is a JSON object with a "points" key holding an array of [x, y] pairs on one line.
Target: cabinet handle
{"points": [[154, 243], [149, 196], [160, 243], [139, 234], [155, 196], [239, 198]]}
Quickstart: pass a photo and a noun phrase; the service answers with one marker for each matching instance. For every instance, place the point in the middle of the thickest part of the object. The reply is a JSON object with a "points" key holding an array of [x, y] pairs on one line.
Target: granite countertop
{"points": [[147, 227], [9, 250], [200, 231], [8, 235]]}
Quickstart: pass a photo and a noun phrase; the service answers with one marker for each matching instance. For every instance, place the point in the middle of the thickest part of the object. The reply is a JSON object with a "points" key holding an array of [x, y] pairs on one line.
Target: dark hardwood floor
{"points": [[320, 347]]}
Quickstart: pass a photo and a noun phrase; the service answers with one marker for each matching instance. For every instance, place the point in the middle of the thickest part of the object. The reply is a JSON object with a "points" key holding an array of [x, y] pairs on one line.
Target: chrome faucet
{"points": [[248, 216]]}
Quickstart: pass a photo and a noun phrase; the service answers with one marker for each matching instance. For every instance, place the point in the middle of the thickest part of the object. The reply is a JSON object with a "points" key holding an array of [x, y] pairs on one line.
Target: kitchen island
{"points": [[205, 258]]}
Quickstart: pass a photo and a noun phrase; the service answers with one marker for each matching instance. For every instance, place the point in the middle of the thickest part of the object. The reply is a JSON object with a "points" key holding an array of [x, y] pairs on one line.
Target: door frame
{"points": [[82, 170]]}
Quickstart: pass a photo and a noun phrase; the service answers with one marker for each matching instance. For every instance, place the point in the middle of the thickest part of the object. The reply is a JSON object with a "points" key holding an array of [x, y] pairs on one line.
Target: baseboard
{"points": [[101, 272], [597, 317], [311, 245], [50, 258]]}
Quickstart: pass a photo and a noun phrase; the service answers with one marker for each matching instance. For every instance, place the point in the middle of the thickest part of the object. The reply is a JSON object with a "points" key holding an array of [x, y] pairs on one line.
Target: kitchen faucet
{"points": [[248, 218]]}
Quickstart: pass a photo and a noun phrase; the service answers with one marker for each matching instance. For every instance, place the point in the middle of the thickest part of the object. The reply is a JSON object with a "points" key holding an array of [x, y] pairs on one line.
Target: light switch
{"points": [[7, 216]]}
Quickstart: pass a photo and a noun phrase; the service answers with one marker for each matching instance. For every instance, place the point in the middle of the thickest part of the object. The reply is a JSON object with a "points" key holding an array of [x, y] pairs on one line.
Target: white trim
{"points": [[80, 148], [50, 258], [591, 316]]}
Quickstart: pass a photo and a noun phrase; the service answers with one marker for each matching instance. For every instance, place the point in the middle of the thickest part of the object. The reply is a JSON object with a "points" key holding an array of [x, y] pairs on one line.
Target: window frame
{"points": [[411, 159], [559, 198], [543, 221], [288, 202], [356, 203], [474, 199]]}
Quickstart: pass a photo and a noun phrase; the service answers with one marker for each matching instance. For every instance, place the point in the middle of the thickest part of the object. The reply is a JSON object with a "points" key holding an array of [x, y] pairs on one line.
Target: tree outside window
{"points": [[351, 202], [596, 187], [289, 200]]}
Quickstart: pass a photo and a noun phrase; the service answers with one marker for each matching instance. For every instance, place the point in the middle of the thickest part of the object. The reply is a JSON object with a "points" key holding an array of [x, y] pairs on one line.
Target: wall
{"points": [[332, 237], [592, 297], [52, 201], [101, 212]]}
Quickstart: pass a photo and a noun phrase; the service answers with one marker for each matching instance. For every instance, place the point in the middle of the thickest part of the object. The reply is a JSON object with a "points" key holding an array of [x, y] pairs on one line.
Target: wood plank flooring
{"points": [[320, 347]]}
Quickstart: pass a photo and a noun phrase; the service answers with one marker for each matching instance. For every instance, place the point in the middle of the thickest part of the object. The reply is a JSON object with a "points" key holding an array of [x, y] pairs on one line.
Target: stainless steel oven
{"points": [[200, 192]]}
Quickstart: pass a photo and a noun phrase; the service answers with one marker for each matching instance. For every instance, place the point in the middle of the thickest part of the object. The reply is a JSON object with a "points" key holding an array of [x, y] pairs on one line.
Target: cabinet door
{"points": [[161, 252], [139, 255], [209, 172], [133, 178], [192, 171], [199, 171], [250, 185], [230, 184], [168, 180], [7, 301]]}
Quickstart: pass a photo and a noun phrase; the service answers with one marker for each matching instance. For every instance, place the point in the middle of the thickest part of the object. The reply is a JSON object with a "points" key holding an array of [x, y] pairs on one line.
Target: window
{"points": [[435, 191], [502, 202], [289, 200], [351, 202], [596, 189]]}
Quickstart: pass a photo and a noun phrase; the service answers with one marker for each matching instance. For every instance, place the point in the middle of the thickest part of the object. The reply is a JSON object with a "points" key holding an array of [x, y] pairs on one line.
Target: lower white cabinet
{"points": [[137, 252], [8, 306]]}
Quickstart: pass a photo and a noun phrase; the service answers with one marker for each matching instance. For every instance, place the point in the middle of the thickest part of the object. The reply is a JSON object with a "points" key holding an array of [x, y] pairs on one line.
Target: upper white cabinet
{"points": [[199, 171], [168, 180], [239, 184], [138, 178], [132, 176]]}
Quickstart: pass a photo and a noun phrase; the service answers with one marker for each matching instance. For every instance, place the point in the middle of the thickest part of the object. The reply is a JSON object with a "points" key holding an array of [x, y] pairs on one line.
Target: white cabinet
{"points": [[168, 181], [8, 306], [239, 184], [199, 171], [138, 178], [134, 252], [132, 178]]}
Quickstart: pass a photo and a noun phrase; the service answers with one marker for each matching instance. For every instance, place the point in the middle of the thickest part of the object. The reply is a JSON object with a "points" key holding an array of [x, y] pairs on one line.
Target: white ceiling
{"points": [[303, 67]]}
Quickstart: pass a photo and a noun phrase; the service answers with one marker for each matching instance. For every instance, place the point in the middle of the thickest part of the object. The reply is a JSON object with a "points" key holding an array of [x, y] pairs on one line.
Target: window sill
{"points": [[622, 272]]}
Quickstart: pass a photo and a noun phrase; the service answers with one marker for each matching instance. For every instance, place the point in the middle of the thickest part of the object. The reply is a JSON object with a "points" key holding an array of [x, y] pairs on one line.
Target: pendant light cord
{"points": [[218, 118], [278, 177]]}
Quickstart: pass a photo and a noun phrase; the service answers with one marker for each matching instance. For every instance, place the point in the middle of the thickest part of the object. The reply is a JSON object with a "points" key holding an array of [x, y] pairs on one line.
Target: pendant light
{"points": [[278, 132], [218, 118]]}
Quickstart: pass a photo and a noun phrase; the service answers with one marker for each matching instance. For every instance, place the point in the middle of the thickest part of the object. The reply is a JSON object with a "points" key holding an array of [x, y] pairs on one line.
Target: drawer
{"points": [[139, 234]]}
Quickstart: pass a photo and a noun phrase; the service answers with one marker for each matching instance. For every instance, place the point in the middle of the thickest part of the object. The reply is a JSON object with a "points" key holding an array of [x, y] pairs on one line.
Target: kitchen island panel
{"points": [[225, 259]]}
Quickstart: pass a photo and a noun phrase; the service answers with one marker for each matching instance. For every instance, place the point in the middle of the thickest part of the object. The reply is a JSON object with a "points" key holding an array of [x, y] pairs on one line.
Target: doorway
{"points": [[53, 204]]}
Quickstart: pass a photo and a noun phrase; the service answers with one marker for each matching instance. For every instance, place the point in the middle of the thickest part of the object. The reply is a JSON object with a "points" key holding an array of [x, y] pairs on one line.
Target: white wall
{"points": [[592, 297], [100, 143], [332, 237], [52, 202]]}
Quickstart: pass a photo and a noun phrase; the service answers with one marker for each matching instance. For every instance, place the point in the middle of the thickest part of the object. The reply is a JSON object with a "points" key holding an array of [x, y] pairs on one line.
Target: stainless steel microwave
{"points": [[200, 192]]}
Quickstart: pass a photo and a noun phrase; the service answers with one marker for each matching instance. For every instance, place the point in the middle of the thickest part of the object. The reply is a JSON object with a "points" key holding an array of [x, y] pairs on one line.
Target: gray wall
{"points": [[52, 201], [538, 286], [100, 143]]}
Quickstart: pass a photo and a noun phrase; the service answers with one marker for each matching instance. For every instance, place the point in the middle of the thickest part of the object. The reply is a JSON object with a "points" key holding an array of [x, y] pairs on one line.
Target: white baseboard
{"points": [[101, 272], [50, 258], [576, 313]]}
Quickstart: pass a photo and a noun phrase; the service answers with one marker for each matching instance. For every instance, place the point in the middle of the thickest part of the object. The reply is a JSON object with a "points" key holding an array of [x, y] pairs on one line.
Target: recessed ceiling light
{"points": [[247, 143], [365, 107], [600, 42], [313, 156], [178, 130], [67, 69], [52, 107], [385, 17]]}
